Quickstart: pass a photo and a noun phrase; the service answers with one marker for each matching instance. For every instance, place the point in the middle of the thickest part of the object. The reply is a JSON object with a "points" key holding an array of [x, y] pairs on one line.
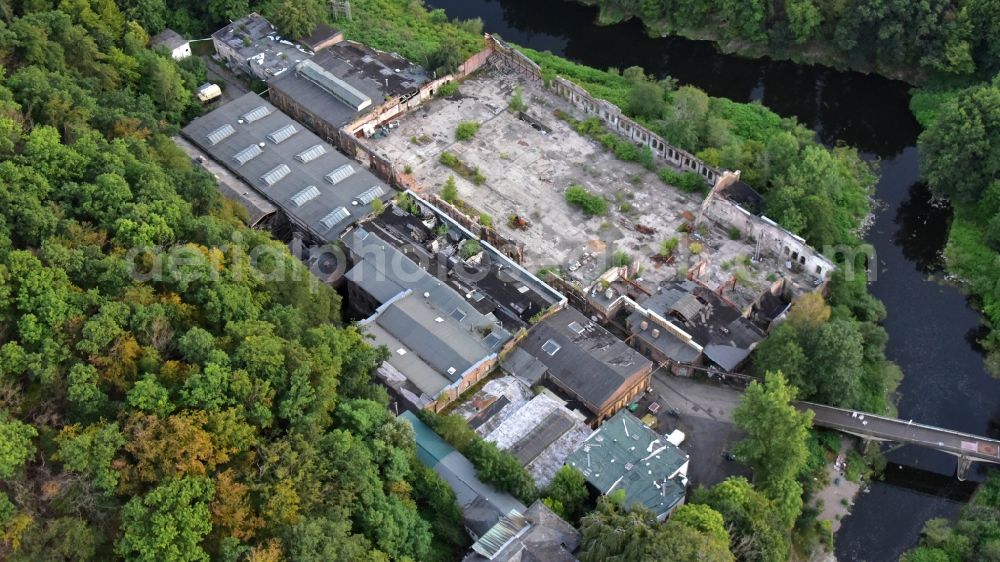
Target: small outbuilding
{"points": [[323, 36], [179, 47]]}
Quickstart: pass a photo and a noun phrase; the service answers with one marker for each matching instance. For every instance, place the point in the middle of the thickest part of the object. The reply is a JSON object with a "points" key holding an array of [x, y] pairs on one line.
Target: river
{"points": [[932, 329]]}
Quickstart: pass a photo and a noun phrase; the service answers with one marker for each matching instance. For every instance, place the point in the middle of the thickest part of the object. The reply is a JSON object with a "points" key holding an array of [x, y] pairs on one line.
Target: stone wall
{"points": [[611, 115], [769, 235]]}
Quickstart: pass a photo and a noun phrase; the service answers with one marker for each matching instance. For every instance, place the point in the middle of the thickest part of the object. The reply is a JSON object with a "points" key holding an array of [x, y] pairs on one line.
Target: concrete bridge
{"points": [[968, 448]]}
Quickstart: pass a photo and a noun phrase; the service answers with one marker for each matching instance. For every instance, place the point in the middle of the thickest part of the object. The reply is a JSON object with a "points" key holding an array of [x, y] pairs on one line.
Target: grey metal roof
{"points": [[626, 454], [275, 172], [258, 45], [332, 85], [548, 538], [726, 356], [524, 366], [593, 365]]}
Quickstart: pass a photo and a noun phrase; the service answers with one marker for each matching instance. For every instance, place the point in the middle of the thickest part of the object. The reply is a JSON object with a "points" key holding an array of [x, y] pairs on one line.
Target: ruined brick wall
{"points": [[511, 249], [509, 60], [611, 115]]}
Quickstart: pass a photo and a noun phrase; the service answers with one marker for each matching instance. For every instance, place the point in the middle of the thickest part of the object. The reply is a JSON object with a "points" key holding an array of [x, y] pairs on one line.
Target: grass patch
{"points": [[591, 205], [466, 130], [470, 173]]}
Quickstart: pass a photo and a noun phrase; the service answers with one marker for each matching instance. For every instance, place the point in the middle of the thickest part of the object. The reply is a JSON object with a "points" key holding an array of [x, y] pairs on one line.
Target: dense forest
{"points": [[899, 38], [173, 386]]}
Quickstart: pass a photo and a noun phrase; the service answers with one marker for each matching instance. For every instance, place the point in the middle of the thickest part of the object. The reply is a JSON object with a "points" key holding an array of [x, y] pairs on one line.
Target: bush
{"points": [[668, 246], [470, 248], [688, 182], [591, 205], [734, 233], [695, 248], [447, 89], [449, 159], [449, 192], [466, 130], [621, 258], [485, 220], [517, 100]]}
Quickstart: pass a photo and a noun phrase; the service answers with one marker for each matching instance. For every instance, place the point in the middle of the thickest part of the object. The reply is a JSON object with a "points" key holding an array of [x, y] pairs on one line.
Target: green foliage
{"points": [[974, 536], [461, 168], [493, 466], [668, 246], [168, 523], [466, 130], [568, 490], [15, 446], [688, 182], [756, 525], [470, 248], [517, 100], [591, 205], [485, 220], [447, 89], [775, 445], [621, 258], [612, 532], [449, 192]]}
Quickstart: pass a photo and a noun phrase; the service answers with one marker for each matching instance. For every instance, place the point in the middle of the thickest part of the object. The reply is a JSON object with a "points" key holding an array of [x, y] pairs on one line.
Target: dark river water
{"points": [[932, 329]]}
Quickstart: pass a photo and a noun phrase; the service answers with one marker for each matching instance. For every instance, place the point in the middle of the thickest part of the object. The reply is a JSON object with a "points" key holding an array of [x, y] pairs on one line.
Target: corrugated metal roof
{"points": [[256, 114], [340, 174], [283, 133], [311, 153], [216, 136], [304, 196], [505, 530], [247, 154]]}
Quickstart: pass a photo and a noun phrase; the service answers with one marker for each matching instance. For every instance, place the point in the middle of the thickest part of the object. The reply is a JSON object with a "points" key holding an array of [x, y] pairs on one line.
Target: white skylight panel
{"points": [[311, 153], [276, 174], [256, 114], [306, 195], [282, 134], [247, 154], [340, 174], [369, 195], [216, 136]]}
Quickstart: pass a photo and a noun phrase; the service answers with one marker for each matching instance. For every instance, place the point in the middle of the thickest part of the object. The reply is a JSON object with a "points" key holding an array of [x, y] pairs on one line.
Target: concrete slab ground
{"points": [[527, 171]]}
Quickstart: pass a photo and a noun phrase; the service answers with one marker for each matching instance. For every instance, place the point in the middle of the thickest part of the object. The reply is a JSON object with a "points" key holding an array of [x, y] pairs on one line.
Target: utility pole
{"points": [[340, 6]]}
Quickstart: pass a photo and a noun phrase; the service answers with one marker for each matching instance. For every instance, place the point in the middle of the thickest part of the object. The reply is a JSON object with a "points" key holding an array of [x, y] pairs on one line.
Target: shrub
{"points": [[517, 100], [470, 248], [734, 233], [486, 220], [668, 246], [695, 248], [378, 206], [688, 182], [407, 169], [446, 89], [449, 159], [621, 258], [449, 192], [466, 130], [591, 205]]}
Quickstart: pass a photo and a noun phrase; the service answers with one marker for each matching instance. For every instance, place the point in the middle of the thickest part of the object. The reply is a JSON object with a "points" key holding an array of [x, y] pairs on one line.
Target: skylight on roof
{"points": [[335, 217], [282, 134], [216, 136], [369, 195], [458, 314], [311, 153], [247, 154], [551, 347], [492, 340], [257, 114], [576, 327], [276, 174], [306, 195], [340, 174]]}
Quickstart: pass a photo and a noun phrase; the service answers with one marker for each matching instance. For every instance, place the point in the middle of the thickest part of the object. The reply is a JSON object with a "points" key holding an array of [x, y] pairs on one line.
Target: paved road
{"points": [[903, 431]]}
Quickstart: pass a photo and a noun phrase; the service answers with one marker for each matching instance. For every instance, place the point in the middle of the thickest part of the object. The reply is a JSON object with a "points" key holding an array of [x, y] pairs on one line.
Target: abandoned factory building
{"points": [[588, 363], [320, 190], [341, 84], [251, 45], [685, 324]]}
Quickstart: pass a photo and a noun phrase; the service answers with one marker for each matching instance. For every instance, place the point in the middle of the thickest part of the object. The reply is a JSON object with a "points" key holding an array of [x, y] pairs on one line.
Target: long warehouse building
{"points": [[321, 191]]}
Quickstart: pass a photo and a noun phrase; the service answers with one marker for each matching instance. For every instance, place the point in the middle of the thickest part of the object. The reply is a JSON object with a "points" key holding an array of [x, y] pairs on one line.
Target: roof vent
{"points": [[643, 325], [427, 295], [451, 370], [609, 294], [655, 332], [439, 319]]}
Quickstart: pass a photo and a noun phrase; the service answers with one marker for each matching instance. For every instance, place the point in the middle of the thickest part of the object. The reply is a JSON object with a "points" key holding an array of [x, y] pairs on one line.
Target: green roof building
{"points": [[625, 454]]}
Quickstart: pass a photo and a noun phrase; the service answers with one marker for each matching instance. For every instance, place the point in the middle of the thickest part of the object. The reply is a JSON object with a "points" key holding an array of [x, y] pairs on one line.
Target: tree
{"points": [[645, 100], [15, 445], [91, 451], [569, 488], [960, 150], [168, 523], [449, 192], [803, 19], [757, 527], [775, 447], [294, 18]]}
